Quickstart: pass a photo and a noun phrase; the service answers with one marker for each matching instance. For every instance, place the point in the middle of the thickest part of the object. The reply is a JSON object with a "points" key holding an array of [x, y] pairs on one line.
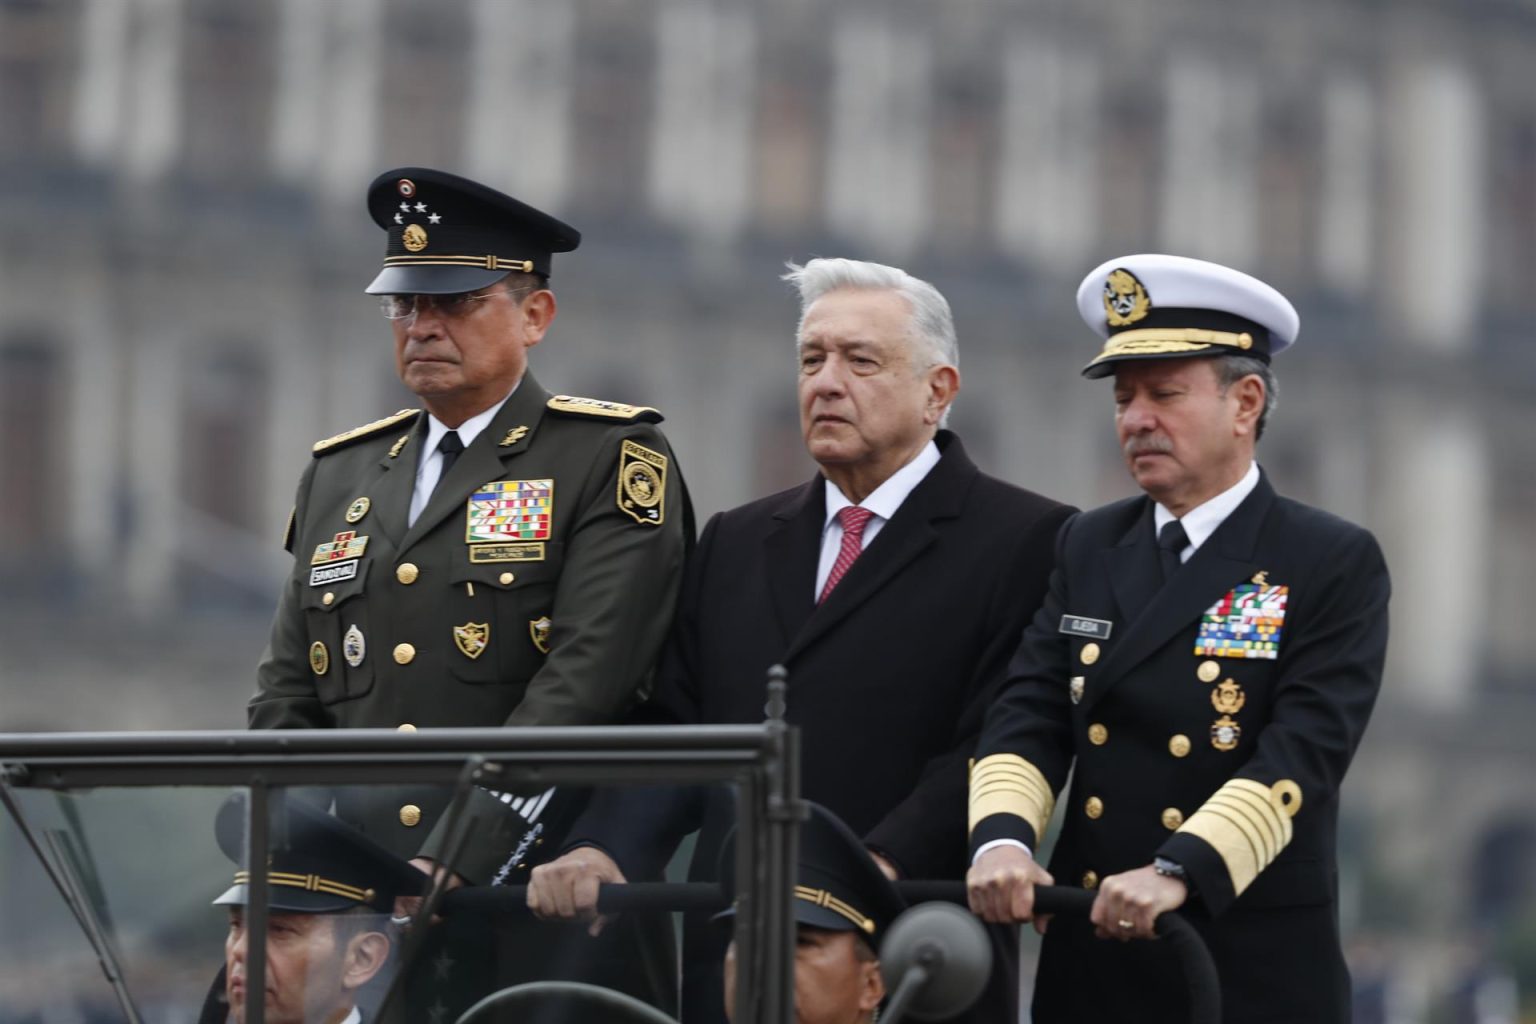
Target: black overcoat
{"points": [[889, 678]]}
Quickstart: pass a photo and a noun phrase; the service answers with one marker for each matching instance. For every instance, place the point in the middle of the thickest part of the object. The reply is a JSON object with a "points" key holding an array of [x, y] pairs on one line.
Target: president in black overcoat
{"points": [[892, 665], [1205, 664]]}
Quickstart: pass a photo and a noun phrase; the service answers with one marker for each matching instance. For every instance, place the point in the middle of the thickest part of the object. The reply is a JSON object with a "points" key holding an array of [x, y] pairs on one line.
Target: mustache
{"points": [[1147, 444]]}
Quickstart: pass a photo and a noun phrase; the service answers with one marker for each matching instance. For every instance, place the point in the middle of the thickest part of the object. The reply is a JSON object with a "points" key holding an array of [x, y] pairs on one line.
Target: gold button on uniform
{"points": [[1172, 818], [410, 815], [1090, 879], [406, 572], [328, 599], [1208, 671], [506, 578], [1090, 653], [404, 654], [1094, 808], [1178, 746], [1097, 734], [405, 727]]}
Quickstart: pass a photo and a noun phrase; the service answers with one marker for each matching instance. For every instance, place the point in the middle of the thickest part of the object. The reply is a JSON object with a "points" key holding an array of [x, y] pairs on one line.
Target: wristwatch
{"points": [[1170, 869]]}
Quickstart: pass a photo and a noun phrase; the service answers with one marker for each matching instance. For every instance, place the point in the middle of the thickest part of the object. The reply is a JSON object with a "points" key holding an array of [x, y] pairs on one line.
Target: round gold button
{"points": [[328, 599], [404, 654], [1172, 818], [410, 815], [1178, 746], [1097, 734], [1094, 808], [506, 578], [1208, 671], [1090, 653], [405, 727], [1090, 879], [406, 572]]}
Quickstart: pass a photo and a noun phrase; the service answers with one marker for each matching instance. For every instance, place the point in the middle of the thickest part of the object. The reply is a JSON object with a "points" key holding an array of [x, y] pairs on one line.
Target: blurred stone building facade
{"points": [[185, 243]]}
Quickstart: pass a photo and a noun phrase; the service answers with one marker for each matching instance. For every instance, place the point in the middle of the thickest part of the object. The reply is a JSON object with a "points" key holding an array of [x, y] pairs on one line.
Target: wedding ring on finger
{"points": [[1126, 925]]}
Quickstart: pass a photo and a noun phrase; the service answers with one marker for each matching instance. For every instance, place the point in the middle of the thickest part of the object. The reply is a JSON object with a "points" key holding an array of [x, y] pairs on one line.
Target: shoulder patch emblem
{"points": [[367, 430], [642, 483], [600, 409]]}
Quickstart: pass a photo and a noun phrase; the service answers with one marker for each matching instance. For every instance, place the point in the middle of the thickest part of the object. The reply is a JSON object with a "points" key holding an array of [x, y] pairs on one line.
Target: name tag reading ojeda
{"points": [[1076, 625]]}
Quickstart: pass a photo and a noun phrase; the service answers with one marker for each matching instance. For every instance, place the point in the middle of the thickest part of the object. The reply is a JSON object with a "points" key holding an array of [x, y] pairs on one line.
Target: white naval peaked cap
{"points": [[1153, 306]]}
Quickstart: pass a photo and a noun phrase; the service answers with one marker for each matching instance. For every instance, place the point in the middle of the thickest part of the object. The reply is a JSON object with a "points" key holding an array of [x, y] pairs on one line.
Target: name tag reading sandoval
{"points": [[1077, 625]]}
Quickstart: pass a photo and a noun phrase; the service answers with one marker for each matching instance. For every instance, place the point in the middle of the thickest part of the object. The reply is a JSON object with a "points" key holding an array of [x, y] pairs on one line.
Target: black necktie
{"points": [[1171, 539], [450, 446]]}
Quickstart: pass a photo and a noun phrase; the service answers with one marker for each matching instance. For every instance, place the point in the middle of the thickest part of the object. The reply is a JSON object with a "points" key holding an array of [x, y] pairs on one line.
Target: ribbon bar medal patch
{"points": [[510, 510], [1246, 623]]}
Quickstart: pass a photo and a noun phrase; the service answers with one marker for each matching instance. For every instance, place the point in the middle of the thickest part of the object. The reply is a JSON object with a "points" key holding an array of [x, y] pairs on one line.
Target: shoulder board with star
{"points": [[362, 433], [599, 409]]}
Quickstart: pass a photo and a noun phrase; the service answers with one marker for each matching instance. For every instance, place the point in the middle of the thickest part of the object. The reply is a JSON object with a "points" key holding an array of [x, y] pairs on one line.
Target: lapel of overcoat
{"points": [[1223, 561], [910, 532], [483, 460], [793, 549]]}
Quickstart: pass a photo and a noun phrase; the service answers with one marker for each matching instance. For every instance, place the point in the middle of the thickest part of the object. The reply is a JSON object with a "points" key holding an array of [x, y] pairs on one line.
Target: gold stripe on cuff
{"points": [[1247, 824], [1008, 784]]}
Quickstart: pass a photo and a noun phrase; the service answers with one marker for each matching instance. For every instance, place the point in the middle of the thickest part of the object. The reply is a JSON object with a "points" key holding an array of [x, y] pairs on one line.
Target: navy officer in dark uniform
{"points": [[502, 557], [1205, 664]]}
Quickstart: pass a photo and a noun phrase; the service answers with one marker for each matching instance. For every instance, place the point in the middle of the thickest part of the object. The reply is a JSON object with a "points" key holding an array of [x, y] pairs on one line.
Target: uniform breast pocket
{"points": [[336, 619], [501, 618]]}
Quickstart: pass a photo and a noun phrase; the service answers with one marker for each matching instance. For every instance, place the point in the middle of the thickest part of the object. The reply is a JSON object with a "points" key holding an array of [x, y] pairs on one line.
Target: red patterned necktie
{"points": [[854, 519]]}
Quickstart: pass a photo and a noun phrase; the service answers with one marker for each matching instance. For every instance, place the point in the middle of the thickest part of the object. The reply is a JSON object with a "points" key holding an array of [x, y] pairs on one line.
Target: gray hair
{"points": [[1233, 368], [933, 327]]}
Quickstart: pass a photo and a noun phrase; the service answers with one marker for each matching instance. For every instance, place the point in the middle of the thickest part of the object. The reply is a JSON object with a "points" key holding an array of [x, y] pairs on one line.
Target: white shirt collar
{"points": [[355, 1017], [468, 430], [884, 500], [1202, 520]]}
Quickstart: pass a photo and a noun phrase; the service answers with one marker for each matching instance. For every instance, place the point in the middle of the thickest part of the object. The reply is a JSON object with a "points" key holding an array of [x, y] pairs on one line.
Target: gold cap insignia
{"points": [[1125, 300], [472, 638], [414, 237]]}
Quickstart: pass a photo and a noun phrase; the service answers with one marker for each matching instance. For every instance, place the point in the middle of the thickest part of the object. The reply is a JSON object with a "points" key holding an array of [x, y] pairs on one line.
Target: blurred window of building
{"points": [[878, 176], [1348, 184], [228, 71], [517, 129], [790, 153], [963, 159], [1210, 153], [1287, 175], [32, 426], [701, 149], [38, 42], [614, 60], [1512, 203], [1438, 204], [423, 51], [225, 405], [1050, 199], [1129, 126]]}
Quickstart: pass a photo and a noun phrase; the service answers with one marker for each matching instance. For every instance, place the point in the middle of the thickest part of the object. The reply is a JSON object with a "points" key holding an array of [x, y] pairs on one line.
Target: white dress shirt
{"points": [[430, 468], [355, 1017], [882, 502], [1199, 523]]}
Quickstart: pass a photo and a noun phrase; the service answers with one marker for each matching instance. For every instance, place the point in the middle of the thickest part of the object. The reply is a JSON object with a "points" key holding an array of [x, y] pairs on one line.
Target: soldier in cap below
{"points": [[843, 906], [504, 557], [1204, 665], [328, 930]]}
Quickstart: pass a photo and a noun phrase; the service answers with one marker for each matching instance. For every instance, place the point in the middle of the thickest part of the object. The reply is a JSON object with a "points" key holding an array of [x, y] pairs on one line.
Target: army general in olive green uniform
{"points": [[504, 557]]}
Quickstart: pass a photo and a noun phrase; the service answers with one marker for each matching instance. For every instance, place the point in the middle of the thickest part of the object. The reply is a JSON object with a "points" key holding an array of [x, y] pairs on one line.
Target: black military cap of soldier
{"points": [[317, 863], [448, 234], [838, 890]]}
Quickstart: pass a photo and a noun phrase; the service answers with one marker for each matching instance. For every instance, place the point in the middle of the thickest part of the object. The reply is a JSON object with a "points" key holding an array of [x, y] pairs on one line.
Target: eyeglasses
{"points": [[403, 307]]}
